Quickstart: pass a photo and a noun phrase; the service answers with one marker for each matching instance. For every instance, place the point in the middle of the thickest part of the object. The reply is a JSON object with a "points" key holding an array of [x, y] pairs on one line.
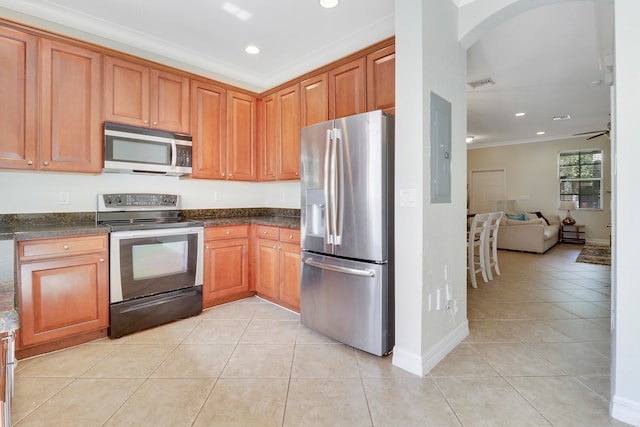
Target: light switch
{"points": [[408, 197]]}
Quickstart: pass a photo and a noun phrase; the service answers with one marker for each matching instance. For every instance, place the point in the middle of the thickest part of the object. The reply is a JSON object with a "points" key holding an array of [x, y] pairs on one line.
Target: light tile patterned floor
{"points": [[537, 355]]}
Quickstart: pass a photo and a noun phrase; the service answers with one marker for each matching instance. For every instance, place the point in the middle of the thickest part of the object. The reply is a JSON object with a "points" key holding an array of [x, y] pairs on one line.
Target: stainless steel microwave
{"points": [[131, 149]]}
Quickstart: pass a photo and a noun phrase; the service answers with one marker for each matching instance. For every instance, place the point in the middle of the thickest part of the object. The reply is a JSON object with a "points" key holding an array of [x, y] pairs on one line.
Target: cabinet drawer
{"points": [[266, 232], [290, 235], [61, 247], [226, 232]]}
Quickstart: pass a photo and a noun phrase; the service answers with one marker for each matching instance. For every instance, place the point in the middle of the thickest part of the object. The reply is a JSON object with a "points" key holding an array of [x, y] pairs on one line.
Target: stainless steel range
{"points": [[156, 260]]}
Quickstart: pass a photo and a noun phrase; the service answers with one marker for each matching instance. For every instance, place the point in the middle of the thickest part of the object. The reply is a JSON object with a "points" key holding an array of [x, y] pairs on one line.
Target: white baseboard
{"points": [[625, 410], [422, 365]]}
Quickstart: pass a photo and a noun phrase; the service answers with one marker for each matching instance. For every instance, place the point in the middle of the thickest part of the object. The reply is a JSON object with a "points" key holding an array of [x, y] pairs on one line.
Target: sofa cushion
{"points": [[539, 215]]}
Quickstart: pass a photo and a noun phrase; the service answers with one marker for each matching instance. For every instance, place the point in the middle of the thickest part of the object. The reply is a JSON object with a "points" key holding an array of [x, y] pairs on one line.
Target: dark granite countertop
{"points": [[43, 231], [9, 318], [275, 221]]}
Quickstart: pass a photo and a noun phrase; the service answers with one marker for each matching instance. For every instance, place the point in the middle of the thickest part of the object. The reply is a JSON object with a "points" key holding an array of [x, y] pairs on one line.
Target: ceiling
{"points": [[544, 62], [547, 62]]}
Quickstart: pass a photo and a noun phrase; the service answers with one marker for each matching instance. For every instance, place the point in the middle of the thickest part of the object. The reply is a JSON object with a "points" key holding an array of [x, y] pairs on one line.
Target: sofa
{"points": [[528, 232]]}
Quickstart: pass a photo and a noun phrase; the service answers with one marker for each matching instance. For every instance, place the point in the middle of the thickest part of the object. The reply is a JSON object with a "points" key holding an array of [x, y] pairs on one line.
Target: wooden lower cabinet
{"points": [[277, 265], [63, 289], [226, 264]]}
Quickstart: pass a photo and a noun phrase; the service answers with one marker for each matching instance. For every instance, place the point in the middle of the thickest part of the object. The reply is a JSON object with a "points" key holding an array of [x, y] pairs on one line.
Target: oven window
{"points": [[159, 259], [152, 265]]}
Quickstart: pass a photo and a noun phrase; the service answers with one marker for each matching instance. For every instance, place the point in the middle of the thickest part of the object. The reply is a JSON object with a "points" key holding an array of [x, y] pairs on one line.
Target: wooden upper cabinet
{"points": [[241, 137], [142, 96], [381, 80], [209, 130], [18, 102], [280, 135], [268, 145], [289, 133], [347, 89], [314, 100], [70, 108]]}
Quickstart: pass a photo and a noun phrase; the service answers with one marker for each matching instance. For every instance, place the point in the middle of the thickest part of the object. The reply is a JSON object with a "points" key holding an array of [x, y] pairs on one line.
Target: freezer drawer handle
{"points": [[347, 270]]}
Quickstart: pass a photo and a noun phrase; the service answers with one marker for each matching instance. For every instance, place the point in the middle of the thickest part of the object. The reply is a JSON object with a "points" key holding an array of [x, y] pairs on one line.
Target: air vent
{"points": [[562, 117], [480, 83]]}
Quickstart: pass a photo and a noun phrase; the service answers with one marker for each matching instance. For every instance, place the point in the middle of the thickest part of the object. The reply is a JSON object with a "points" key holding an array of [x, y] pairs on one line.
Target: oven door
{"points": [[150, 262]]}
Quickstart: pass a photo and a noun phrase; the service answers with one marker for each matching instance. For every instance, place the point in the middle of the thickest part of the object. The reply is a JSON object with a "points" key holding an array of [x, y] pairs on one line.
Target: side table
{"points": [[572, 233]]}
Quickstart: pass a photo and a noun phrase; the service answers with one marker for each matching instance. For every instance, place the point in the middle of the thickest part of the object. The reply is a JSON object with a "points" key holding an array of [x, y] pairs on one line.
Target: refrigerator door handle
{"points": [[326, 188], [339, 269], [339, 185], [333, 188]]}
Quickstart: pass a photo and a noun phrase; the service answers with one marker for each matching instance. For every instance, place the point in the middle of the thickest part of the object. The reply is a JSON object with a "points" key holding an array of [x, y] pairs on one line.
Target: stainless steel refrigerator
{"points": [[347, 290]]}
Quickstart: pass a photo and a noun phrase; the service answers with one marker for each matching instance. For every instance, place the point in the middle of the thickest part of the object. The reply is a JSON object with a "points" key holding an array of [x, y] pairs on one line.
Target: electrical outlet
{"points": [[63, 198], [216, 195]]}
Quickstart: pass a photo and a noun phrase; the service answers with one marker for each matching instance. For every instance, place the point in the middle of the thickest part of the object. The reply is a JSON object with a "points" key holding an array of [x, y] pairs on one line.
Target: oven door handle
{"points": [[132, 234]]}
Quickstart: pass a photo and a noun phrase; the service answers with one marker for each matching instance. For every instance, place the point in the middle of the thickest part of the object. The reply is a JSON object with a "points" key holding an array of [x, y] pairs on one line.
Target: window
{"points": [[580, 174]]}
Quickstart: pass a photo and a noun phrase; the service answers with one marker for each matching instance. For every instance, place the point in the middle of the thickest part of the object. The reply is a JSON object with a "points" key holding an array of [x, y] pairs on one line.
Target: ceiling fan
{"points": [[599, 132]]}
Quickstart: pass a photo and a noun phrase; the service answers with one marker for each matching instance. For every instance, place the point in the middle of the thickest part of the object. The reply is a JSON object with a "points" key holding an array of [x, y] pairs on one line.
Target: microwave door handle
{"points": [[174, 154], [326, 188]]}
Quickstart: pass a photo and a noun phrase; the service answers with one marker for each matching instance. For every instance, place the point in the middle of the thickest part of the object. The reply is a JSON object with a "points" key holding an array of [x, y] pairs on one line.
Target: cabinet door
{"points": [[226, 269], [126, 92], [290, 274], [71, 108], [289, 133], [241, 139], [347, 89], [209, 124], [266, 268], [18, 100], [314, 100], [268, 147], [381, 80], [169, 102], [63, 297]]}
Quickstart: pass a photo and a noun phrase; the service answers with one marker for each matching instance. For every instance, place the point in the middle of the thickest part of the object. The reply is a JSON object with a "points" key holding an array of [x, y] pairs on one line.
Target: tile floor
{"points": [[537, 355]]}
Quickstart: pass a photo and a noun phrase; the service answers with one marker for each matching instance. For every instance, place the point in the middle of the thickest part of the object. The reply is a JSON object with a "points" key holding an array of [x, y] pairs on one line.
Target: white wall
{"points": [[32, 192], [626, 292], [429, 58], [532, 179]]}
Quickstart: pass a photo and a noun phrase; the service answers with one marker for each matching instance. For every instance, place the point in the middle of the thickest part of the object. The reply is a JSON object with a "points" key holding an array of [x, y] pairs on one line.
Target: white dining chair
{"points": [[476, 261], [491, 244]]}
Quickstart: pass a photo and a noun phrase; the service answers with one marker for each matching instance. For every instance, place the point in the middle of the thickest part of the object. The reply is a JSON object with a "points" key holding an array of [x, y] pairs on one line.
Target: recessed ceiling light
{"points": [[253, 50], [328, 4], [470, 138], [540, 133], [520, 114]]}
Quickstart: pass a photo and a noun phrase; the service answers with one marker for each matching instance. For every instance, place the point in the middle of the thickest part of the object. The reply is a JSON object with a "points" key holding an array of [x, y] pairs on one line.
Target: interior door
{"points": [[487, 187]]}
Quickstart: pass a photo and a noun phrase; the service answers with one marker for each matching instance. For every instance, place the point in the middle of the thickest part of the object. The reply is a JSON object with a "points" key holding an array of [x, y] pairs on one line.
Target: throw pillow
{"points": [[539, 214], [519, 217]]}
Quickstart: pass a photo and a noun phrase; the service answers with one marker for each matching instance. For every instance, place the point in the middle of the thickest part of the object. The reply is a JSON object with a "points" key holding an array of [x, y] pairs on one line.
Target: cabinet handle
{"points": [[46, 163], [146, 122], [275, 247], [101, 259], [297, 174], [30, 162], [228, 232], [230, 175], [291, 236], [223, 174], [65, 247], [264, 232], [155, 123], [206, 247]]}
